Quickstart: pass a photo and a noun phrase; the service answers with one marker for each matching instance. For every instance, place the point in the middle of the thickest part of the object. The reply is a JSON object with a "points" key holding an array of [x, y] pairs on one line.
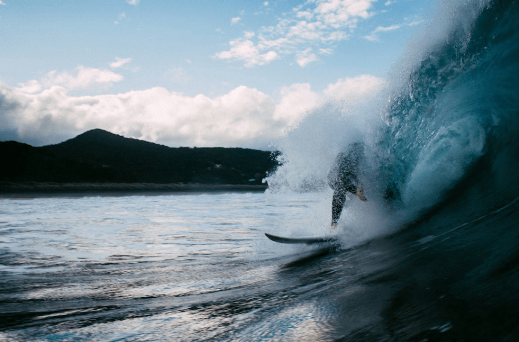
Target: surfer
{"points": [[342, 178]]}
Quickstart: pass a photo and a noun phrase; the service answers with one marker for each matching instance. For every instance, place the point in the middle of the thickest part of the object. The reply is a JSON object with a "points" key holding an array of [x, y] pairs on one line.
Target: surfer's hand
{"points": [[360, 195]]}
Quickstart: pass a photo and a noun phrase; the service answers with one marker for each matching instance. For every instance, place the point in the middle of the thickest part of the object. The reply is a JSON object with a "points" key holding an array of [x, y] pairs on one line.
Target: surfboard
{"points": [[307, 241]]}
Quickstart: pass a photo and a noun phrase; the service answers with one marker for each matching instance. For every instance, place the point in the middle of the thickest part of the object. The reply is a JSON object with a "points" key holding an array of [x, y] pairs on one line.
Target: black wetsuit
{"points": [[343, 177]]}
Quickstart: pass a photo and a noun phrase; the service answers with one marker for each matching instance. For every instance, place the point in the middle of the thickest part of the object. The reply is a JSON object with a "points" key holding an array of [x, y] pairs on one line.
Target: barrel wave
{"points": [[443, 160], [446, 122], [455, 122]]}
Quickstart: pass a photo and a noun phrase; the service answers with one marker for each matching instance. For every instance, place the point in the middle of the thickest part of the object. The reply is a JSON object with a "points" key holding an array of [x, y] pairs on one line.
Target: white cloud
{"points": [[248, 34], [314, 24], [244, 117], [325, 51], [235, 20], [305, 30], [296, 101], [305, 57], [86, 78], [30, 87], [305, 15], [353, 89], [119, 62], [2, 3], [409, 22], [133, 2], [374, 34], [343, 13], [415, 22], [244, 49], [277, 44]]}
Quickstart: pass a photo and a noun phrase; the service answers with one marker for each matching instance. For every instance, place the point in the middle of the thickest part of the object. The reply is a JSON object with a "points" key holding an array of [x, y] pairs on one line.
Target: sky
{"points": [[191, 72]]}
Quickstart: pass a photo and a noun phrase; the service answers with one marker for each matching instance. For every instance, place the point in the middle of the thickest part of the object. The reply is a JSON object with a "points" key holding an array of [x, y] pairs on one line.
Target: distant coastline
{"points": [[100, 162], [38, 189]]}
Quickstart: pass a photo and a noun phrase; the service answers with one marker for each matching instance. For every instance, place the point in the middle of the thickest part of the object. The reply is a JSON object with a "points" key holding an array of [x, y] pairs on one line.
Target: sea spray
{"points": [[425, 130], [308, 150]]}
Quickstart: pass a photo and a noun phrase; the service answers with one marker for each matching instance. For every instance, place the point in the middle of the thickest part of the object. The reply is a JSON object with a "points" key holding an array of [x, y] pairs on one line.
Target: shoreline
{"points": [[49, 189]]}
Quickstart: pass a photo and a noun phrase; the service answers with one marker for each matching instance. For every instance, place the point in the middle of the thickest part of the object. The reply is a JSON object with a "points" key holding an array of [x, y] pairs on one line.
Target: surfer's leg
{"points": [[339, 197]]}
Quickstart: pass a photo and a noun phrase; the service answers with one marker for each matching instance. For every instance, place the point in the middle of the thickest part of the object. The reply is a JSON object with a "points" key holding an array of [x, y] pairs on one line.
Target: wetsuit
{"points": [[343, 177]]}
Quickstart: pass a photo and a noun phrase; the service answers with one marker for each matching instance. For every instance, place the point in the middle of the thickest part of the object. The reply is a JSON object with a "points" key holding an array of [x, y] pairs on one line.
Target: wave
{"points": [[446, 122]]}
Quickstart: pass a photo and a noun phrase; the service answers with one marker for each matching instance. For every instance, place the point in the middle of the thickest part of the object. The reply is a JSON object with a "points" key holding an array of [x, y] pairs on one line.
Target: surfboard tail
{"points": [[307, 240]]}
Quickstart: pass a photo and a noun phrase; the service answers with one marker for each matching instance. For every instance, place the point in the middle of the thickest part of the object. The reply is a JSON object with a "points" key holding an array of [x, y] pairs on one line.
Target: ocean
{"points": [[192, 267], [433, 255], [178, 267]]}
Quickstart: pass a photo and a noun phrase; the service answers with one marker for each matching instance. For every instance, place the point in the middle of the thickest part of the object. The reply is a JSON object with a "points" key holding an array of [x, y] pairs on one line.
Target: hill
{"points": [[101, 156]]}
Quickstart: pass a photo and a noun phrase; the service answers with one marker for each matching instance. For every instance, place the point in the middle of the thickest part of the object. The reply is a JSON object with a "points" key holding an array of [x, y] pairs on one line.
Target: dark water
{"points": [[159, 268], [192, 268]]}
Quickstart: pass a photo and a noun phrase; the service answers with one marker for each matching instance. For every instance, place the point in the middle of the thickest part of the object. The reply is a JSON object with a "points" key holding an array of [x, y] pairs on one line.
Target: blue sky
{"points": [[190, 73]]}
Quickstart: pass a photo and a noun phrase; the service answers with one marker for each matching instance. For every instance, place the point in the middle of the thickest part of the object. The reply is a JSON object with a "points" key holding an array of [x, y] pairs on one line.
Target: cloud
{"points": [[305, 57], [266, 3], [244, 49], [325, 51], [119, 62], [244, 117], [119, 18], [343, 13], [85, 78], [248, 34], [133, 2], [30, 87], [408, 22], [315, 24], [296, 101], [415, 22], [235, 20], [353, 89], [374, 34]]}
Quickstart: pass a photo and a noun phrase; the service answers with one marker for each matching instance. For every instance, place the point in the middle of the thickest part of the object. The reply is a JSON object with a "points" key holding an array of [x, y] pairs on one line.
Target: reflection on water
{"points": [[198, 267], [177, 267]]}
